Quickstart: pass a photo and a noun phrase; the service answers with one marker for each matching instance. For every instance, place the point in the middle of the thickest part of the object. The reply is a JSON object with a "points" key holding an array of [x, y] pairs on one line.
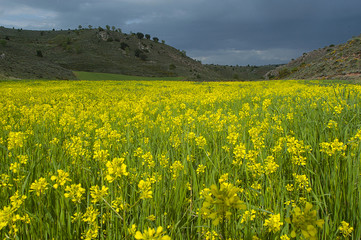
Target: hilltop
{"points": [[56, 54], [332, 62]]}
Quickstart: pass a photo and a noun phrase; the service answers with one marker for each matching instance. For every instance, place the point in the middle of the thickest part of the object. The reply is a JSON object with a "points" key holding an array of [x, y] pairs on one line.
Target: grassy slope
{"points": [[333, 62], [93, 51], [105, 52]]}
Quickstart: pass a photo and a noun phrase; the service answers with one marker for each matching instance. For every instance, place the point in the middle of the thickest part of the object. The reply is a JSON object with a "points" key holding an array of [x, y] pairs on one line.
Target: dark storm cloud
{"points": [[224, 32]]}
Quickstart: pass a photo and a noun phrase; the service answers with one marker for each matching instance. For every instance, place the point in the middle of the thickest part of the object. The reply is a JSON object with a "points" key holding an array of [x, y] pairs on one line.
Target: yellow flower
{"points": [[223, 178], [284, 237], [119, 204], [273, 223], [200, 169], [270, 165], [16, 139], [145, 189], [331, 148], [239, 154], [39, 186], [176, 168], [201, 142], [345, 229], [75, 192], [97, 193], [219, 202], [90, 216], [152, 234], [116, 169], [248, 216], [61, 179], [15, 167]]}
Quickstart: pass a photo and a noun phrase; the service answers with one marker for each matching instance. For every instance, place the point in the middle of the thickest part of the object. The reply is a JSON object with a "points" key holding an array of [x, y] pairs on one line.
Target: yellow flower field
{"points": [[180, 160]]}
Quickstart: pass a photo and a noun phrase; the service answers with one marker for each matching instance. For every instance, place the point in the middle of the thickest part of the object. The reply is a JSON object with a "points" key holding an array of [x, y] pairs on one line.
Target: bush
{"points": [[172, 66], [283, 73], [137, 52], [39, 53], [123, 45]]}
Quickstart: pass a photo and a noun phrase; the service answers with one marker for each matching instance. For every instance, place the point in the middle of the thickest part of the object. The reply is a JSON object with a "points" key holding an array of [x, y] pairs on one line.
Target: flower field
{"points": [[180, 160]]}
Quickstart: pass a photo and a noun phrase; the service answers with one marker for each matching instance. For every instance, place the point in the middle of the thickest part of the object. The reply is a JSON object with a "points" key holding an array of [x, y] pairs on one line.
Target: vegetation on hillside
{"points": [[55, 54], [332, 62]]}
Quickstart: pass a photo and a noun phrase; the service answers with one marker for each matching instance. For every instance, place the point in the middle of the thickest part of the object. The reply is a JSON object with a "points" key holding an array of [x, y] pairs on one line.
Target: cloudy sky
{"points": [[232, 32]]}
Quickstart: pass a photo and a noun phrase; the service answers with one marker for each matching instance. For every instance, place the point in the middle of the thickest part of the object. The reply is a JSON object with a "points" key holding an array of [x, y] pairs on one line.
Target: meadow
{"points": [[180, 160]]}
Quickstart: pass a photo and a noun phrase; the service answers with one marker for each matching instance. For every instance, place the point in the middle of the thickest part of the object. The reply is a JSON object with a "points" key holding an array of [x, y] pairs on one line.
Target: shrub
{"points": [[39, 53], [123, 45], [172, 66]]}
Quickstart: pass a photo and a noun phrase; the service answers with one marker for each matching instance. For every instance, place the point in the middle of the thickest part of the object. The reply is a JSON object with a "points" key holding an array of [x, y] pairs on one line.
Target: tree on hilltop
{"points": [[140, 35]]}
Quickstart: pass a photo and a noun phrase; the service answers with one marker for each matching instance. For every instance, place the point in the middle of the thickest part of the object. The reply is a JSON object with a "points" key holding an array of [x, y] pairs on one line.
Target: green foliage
{"points": [[3, 42], [140, 35], [124, 45], [172, 66], [39, 53], [283, 73]]}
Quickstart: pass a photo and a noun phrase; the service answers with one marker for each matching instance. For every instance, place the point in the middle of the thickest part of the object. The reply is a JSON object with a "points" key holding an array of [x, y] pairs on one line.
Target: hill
{"points": [[56, 54], [333, 62], [42, 54]]}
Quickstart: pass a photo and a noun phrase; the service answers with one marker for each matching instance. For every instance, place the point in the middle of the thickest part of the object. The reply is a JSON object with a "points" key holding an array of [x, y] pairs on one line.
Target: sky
{"points": [[225, 32]]}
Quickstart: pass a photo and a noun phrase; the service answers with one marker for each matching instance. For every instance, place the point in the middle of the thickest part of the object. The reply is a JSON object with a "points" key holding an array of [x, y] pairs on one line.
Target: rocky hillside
{"points": [[55, 54], [333, 62]]}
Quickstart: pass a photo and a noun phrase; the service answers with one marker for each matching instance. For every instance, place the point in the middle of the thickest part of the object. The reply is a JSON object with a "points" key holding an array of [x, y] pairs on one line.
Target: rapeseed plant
{"points": [[345, 229], [152, 234], [39, 186], [106, 146], [305, 222], [219, 203]]}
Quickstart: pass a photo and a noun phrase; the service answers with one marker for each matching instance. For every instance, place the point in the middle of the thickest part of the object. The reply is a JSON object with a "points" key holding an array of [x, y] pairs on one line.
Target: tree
{"points": [[147, 36], [90, 27], [107, 27], [140, 35], [80, 27], [155, 39]]}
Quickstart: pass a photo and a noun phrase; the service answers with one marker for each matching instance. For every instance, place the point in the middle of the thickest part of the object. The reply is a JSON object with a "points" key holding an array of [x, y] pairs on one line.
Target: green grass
{"points": [[120, 77]]}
